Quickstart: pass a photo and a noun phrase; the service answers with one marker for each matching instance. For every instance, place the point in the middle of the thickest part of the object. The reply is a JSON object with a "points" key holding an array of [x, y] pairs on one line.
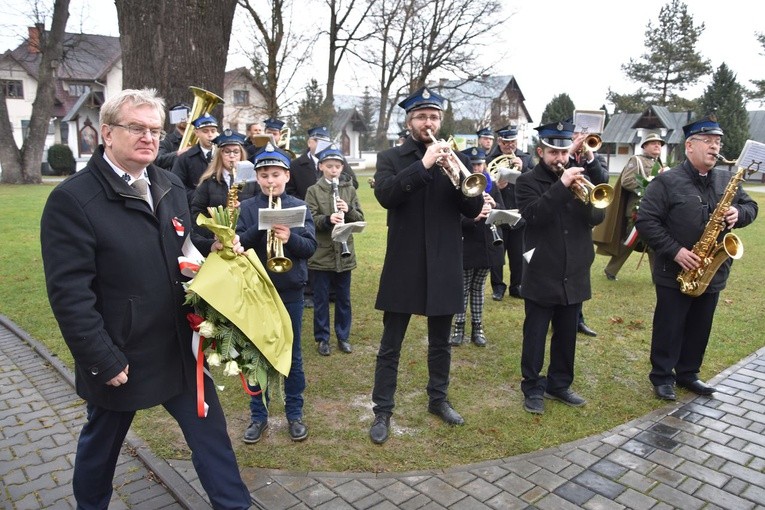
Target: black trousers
{"points": [[513, 246], [211, 452], [681, 328], [386, 371], [560, 371]]}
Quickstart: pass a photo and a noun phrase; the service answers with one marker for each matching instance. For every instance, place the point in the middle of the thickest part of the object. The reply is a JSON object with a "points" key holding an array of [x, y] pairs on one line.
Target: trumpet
{"points": [[472, 185], [592, 142], [599, 196], [345, 251], [276, 262]]}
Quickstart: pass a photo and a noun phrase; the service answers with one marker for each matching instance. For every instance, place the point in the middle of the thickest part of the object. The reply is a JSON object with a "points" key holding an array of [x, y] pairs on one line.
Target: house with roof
{"points": [[624, 132], [243, 102], [90, 71]]}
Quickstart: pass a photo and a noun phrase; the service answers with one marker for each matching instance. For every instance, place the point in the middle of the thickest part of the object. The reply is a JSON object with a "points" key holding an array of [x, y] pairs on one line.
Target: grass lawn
{"points": [[611, 370]]}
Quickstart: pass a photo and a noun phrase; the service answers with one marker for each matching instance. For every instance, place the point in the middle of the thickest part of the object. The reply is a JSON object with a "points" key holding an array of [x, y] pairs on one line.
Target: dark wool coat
{"points": [[212, 193], [166, 155], [111, 269], [478, 250], [559, 230], [189, 167], [304, 174], [675, 211], [422, 272]]}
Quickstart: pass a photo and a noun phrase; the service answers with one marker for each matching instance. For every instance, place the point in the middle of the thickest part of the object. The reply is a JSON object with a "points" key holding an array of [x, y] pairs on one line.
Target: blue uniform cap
{"points": [[485, 132], [475, 154], [422, 98], [507, 133], [331, 152], [272, 123], [558, 135], [319, 132], [272, 156], [705, 126], [205, 121], [228, 137]]}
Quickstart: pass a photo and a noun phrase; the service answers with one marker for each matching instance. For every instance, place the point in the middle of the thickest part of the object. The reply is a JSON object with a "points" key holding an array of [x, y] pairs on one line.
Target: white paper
{"points": [[292, 217], [752, 157], [527, 256], [179, 115], [341, 233], [589, 121], [245, 172], [509, 175], [503, 217]]}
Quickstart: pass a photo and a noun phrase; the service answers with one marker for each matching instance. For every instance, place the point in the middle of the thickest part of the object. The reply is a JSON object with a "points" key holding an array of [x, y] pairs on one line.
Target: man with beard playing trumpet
{"points": [[422, 272], [557, 259]]}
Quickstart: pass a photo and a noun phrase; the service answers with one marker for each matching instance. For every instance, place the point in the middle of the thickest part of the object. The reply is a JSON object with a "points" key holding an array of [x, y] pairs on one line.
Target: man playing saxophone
{"points": [[680, 207]]}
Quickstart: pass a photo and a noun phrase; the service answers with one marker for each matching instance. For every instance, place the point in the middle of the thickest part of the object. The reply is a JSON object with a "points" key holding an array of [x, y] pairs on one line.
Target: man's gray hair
{"points": [[111, 108]]}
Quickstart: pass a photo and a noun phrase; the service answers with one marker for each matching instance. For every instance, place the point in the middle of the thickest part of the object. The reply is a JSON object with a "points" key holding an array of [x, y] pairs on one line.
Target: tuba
{"points": [[472, 185], [204, 102], [276, 261]]}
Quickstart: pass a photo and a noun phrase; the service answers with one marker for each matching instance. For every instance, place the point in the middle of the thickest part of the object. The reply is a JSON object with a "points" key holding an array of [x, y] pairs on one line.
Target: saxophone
{"points": [[712, 253]]}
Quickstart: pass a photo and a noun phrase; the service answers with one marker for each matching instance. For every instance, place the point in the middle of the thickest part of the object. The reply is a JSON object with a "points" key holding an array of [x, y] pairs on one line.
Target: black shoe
{"points": [[665, 392], [610, 276], [323, 348], [497, 296], [585, 330], [515, 292], [378, 433], [534, 405], [477, 336], [298, 431], [458, 334], [255, 431], [344, 346], [566, 396], [697, 387], [308, 302], [446, 412]]}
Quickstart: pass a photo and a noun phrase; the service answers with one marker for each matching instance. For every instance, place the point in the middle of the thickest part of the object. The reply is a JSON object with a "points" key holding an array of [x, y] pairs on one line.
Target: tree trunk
{"points": [[175, 44], [23, 166]]}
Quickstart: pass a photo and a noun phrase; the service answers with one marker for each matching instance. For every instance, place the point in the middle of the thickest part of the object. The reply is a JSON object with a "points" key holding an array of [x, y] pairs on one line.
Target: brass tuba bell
{"points": [[204, 102]]}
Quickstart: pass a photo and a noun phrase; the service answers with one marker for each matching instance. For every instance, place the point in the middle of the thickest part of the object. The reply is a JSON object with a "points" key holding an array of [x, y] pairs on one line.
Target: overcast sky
{"points": [[552, 46]]}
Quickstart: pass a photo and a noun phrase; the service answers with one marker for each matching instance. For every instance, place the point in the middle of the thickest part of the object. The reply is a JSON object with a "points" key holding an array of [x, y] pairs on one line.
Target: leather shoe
{"points": [[323, 348], [446, 412], [497, 296], [477, 336], [534, 405], [585, 329], [378, 433], [298, 431], [344, 346], [665, 392], [255, 431], [566, 396], [697, 387]]}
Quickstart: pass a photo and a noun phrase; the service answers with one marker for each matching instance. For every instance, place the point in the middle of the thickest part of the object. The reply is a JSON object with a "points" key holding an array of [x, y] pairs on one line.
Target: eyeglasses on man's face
{"points": [[229, 152], [138, 130], [709, 141], [424, 118]]}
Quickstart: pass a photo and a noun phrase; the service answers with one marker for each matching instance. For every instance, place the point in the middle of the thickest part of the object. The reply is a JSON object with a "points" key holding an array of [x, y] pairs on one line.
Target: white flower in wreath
{"points": [[207, 329], [213, 359], [231, 368]]}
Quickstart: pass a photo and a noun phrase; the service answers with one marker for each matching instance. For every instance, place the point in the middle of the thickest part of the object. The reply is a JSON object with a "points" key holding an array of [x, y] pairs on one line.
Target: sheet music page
{"points": [[503, 217], [292, 217], [752, 156], [589, 121], [245, 172], [341, 233]]}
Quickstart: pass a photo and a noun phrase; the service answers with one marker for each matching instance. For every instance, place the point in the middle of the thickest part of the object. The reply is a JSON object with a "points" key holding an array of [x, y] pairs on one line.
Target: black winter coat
{"points": [[422, 272], [166, 155], [674, 212], [189, 167], [478, 249], [559, 231], [111, 269]]}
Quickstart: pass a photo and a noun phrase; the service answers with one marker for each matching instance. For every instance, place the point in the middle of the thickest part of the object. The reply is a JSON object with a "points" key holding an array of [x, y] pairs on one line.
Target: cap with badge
{"points": [[475, 154], [319, 133], [205, 120], [422, 98], [330, 152], [652, 137], [558, 135], [229, 137], [704, 126], [485, 133], [507, 133], [271, 123], [272, 156]]}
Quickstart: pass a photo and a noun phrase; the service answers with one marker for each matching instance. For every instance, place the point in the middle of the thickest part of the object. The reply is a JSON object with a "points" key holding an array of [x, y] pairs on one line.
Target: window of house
{"points": [[241, 97], [78, 89], [14, 89]]}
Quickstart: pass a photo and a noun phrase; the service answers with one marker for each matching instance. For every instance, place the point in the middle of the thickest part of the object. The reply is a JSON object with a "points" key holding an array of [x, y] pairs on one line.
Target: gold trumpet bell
{"points": [[601, 196], [279, 264], [473, 185]]}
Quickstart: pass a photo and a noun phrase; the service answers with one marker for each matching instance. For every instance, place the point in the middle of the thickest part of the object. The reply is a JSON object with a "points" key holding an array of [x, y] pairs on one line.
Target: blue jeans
{"points": [[294, 384], [322, 281]]}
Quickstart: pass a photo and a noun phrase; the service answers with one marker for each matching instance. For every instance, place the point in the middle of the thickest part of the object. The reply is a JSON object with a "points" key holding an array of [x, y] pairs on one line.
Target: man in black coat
{"points": [[190, 165], [422, 272], [558, 255], [169, 148], [111, 236]]}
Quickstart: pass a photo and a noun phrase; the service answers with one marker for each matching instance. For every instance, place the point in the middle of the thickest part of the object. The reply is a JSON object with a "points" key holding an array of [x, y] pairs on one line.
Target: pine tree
{"points": [[725, 97], [367, 115], [312, 112], [561, 107], [759, 85]]}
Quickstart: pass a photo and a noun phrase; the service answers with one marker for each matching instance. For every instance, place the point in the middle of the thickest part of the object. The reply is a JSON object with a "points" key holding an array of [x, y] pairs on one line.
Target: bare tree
{"points": [[345, 29], [189, 50], [278, 54], [22, 166]]}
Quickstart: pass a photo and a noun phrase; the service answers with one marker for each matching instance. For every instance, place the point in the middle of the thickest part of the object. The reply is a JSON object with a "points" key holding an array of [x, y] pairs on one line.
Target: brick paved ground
{"points": [[700, 453]]}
